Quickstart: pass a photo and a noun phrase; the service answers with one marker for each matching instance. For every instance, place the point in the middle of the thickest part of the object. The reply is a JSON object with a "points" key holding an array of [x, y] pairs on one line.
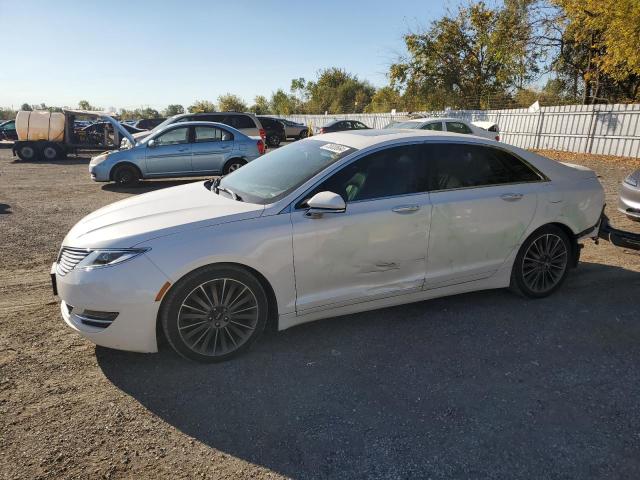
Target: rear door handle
{"points": [[406, 209], [511, 197]]}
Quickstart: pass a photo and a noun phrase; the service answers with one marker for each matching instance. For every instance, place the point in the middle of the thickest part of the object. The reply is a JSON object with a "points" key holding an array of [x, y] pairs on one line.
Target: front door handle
{"points": [[511, 197], [183, 149], [406, 209]]}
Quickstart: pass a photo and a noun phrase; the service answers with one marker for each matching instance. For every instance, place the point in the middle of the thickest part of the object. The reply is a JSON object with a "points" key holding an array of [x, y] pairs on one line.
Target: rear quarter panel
{"points": [[573, 195]]}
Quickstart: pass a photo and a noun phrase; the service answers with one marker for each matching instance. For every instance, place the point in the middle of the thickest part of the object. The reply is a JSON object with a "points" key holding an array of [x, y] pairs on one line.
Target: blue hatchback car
{"points": [[178, 150]]}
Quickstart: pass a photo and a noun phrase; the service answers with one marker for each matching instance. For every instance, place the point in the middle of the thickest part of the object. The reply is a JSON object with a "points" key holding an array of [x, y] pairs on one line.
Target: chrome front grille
{"points": [[69, 258]]}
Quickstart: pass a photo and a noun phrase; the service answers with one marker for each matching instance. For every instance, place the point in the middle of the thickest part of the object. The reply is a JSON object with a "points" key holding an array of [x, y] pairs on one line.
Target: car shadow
{"points": [[70, 160], [149, 185], [486, 385], [5, 209]]}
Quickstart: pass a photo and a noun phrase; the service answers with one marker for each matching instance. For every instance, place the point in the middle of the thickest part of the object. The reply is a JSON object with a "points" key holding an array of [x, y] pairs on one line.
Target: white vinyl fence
{"points": [[600, 129]]}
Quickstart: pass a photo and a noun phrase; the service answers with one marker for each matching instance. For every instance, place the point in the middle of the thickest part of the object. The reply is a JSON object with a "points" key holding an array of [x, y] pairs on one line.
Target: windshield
{"points": [[279, 172], [163, 124], [413, 125]]}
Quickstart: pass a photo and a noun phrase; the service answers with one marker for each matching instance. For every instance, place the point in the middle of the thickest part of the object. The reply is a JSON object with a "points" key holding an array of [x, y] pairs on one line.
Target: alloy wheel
{"points": [[544, 263], [218, 317]]}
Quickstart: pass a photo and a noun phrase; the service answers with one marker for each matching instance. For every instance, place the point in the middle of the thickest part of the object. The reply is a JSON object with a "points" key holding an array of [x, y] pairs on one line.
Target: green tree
{"points": [[597, 43], [337, 91], [260, 105], [25, 107], [173, 109], [463, 60], [384, 100], [282, 103], [85, 105], [231, 103], [202, 106]]}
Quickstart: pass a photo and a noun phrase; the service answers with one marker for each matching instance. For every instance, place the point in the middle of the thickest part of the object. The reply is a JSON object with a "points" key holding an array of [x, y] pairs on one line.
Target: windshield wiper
{"points": [[230, 192]]}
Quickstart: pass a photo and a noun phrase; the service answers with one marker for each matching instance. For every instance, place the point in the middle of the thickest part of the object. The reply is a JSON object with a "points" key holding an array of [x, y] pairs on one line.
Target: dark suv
{"points": [[148, 123], [274, 130]]}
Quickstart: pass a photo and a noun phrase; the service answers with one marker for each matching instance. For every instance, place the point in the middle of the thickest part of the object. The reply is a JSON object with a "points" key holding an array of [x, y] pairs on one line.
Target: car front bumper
{"points": [[99, 172], [629, 201], [129, 289]]}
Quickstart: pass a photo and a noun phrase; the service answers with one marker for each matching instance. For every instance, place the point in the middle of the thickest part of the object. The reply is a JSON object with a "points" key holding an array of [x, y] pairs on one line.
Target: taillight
{"points": [[263, 135], [260, 147], [322, 130], [497, 138]]}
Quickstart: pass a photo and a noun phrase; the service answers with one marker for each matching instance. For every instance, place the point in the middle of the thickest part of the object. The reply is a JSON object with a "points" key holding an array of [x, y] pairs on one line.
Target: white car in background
{"points": [[454, 125], [331, 225]]}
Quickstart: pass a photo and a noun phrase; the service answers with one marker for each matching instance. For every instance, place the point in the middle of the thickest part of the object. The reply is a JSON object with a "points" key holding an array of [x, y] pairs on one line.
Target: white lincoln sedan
{"points": [[330, 225]]}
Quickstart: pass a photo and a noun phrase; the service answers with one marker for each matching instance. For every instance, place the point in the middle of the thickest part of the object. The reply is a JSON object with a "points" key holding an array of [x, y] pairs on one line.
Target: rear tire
{"points": [[232, 165], [214, 313], [27, 152], [273, 140], [50, 152], [303, 134], [125, 175], [542, 263]]}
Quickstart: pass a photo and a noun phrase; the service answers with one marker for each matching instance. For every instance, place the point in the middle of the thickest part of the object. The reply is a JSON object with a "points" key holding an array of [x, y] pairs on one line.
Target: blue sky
{"points": [[128, 54]]}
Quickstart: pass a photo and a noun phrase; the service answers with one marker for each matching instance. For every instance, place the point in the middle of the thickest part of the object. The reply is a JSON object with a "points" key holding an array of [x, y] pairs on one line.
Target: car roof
{"points": [[366, 138], [211, 113], [431, 119]]}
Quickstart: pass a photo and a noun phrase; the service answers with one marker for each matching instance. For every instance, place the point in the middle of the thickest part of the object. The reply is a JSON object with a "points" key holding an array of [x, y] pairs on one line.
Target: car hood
{"points": [[141, 218]]}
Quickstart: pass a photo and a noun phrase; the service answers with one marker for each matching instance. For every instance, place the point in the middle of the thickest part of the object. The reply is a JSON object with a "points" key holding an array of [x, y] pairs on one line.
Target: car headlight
{"points": [[108, 258], [632, 179], [98, 159]]}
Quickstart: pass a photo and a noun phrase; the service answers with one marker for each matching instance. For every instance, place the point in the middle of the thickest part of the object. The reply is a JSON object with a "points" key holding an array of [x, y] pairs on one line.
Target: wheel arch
{"points": [[237, 157], [272, 320], [575, 248], [121, 164]]}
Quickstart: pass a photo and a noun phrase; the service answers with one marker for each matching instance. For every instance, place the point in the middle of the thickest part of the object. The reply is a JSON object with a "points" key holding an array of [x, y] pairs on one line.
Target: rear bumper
{"points": [[619, 238]]}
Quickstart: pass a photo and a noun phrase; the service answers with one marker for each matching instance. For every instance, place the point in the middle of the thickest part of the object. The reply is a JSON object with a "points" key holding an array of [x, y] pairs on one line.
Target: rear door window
{"points": [[241, 122], [458, 127], [211, 134], [437, 126], [453, 166]]}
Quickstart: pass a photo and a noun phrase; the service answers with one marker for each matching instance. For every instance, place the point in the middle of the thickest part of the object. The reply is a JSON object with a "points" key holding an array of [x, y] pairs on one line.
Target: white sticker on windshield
{"points": [[334, 147]]}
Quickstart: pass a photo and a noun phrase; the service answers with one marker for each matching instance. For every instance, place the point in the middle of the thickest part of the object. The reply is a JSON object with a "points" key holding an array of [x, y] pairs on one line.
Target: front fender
{"points": [[262, 243]]}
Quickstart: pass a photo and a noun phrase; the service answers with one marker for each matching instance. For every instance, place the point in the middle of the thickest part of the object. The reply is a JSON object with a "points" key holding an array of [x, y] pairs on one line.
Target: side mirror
{"points": [[151, 143], [325, 202]]}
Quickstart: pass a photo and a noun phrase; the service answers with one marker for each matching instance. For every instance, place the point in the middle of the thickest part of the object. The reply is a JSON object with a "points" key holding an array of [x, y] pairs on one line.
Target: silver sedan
{"points": [[629, 200]]}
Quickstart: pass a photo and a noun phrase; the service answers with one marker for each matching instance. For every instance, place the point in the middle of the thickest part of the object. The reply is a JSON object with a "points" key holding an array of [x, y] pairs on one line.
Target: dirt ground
{"points": [[485, 385]]}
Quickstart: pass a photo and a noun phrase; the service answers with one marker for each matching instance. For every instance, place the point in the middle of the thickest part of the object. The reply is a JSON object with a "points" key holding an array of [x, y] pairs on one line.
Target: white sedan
{"points": [[331, 225], [454, 125]]}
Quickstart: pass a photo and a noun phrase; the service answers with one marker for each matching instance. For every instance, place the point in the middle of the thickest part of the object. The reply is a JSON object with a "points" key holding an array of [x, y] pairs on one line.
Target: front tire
{"points": [[214, 313], [126, 175], [542, 264]]}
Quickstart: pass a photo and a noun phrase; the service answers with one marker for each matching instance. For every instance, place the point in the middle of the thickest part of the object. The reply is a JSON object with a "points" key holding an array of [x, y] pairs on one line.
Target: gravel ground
{"points": [[484, 385]]}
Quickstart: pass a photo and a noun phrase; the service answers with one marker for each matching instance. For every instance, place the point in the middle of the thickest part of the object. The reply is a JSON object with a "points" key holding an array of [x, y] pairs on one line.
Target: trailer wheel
{"points": [[27, 152], [50, 152], [125, 175]]}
